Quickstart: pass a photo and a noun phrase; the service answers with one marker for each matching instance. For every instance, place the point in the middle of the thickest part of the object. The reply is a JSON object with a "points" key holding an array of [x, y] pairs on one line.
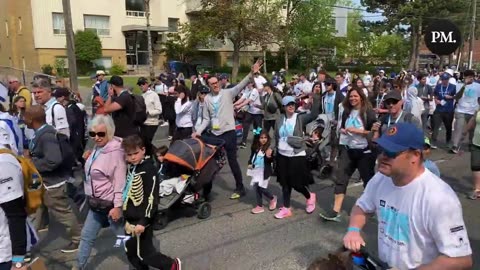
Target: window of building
{"points": [[98, 24], [172, 24], [20, 26], [135, 5], [6, 28], [58, 24]]}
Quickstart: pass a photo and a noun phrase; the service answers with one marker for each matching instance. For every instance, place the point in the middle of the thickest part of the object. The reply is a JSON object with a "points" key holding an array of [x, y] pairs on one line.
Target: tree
{"points": [[357, 44], [182, 45], [88, 47], [242, 22], [390, 47], [416, 15]]}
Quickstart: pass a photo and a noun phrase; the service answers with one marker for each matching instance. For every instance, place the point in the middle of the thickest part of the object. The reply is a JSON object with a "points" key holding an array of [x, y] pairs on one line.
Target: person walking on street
{"points": [[444, 112], [218, 114], [47, 157], [154, 110], [18, 89], [420, 221]]}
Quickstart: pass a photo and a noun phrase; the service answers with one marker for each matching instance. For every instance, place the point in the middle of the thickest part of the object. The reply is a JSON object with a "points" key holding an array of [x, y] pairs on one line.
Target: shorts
{"points": [[475, 158]]}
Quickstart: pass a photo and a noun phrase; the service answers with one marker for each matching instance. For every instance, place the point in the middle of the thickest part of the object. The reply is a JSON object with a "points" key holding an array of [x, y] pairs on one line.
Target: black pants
{"points": [[6, 266], [256, 119], [287, 193], [150, 256], [171, 127], [229, 140], [351, 160], [182, 133], [16, 216], [447, 119], [260, 192], [148, 132], [268, 124]]}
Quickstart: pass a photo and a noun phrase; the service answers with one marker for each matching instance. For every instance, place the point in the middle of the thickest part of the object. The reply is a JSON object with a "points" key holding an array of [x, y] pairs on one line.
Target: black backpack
{"points": [[140, 110], [68, 156]]}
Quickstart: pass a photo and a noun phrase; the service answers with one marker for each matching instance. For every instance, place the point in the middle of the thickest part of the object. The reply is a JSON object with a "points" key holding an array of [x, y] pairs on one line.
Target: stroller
{"points": [[317, 150], [192, 164]]}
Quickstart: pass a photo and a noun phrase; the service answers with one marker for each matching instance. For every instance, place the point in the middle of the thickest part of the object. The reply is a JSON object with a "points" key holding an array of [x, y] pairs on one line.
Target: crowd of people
{"points": [[384, 127]]}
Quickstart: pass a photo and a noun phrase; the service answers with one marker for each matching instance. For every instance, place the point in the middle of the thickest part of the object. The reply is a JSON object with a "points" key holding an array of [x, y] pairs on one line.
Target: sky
{"points": [[368, 15]]}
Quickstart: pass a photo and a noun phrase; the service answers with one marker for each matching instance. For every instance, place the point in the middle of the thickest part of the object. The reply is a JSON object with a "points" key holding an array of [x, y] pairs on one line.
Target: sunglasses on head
{"points": [[100, 134]]}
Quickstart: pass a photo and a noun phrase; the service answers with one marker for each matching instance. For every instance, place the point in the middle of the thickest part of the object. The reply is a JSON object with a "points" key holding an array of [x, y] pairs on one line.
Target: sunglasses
{"points": [[389, 154], [100, 134], [391, 102], [328, 84]]}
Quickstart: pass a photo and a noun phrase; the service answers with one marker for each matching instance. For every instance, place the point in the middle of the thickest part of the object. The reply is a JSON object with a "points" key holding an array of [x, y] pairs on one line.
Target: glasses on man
{"points": [[214, 83], [11, 82], [100, 134], [389, 154]]}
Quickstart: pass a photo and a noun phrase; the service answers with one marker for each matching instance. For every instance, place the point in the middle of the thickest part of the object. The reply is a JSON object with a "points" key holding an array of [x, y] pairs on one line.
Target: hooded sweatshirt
{"points": [[105, 171]]}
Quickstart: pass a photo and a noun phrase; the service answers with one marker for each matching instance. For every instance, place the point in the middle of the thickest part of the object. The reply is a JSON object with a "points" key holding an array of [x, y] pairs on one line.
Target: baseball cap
{"points": [[393, 94], [449, 71], [142, 81], [402, 137], [223, 76], [116, 80], [203, 89], [287, 100], [381, 71], [445, 76], [100, 72]]}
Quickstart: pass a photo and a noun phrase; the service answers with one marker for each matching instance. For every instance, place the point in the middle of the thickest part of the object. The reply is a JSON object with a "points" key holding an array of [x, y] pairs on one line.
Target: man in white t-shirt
{"points": [[467, 104], [254, 113], [420, 221], [367, 79], [259, 81], [54, 111]]}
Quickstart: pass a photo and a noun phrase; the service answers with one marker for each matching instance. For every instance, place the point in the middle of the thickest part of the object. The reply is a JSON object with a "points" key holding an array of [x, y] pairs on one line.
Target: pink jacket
{"points": [[106, 175]]}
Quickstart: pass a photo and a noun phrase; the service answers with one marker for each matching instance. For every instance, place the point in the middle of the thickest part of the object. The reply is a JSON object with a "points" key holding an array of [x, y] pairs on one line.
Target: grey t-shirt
{"points": [[404, 117]]}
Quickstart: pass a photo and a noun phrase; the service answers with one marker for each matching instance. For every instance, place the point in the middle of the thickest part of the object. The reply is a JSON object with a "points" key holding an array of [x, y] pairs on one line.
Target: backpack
{"points": [[68, 156], [33, 192], [140, 110]]}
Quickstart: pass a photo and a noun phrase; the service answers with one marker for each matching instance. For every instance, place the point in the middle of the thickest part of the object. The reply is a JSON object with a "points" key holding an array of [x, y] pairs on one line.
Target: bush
{"points": [[47, 69], [117, 69], [60, 67]]}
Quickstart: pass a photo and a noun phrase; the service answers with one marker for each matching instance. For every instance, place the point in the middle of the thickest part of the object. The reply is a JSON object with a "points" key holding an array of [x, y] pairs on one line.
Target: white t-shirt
{"points": [[11, 178], [468, 103], [354, 141], [367, 79], [60, 122], [287, 130], [417, 222], [254, 98], [259, 81], [5, 242]]}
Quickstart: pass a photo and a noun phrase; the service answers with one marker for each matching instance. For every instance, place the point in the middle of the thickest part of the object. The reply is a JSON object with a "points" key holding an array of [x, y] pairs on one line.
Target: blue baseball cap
{"points": [[445, 76], [287, 100], [402, 137]]}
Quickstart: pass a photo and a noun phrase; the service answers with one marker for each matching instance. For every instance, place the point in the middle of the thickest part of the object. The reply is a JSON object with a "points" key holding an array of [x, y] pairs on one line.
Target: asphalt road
{"points": [[233, 238]]}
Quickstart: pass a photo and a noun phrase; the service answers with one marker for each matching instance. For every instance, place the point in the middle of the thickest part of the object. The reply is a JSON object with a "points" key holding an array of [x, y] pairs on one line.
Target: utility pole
{"points": [[149, 40], [472, 35], [72, 62]]}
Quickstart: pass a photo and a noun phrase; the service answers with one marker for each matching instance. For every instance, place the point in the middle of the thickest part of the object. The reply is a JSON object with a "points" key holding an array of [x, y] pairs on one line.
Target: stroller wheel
{"points": [[161, 221], [204, 210], [326, 171]]}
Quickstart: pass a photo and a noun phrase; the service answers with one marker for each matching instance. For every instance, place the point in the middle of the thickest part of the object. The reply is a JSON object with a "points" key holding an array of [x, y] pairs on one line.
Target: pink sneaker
{"points": [[273, 204], [257, 210], [283, 213], [311, 203]]}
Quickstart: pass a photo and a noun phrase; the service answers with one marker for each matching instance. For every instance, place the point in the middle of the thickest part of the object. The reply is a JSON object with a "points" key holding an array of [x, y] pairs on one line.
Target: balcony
{"points": [[193, 6], [134, 13]]}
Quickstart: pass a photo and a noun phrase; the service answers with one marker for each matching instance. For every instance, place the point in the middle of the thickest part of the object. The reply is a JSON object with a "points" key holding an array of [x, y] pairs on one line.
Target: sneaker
{"points": [[170, 138], [455, 149], [243, 145], [283, 213], [331, 216], [273, 203], [258, 210], [28, 257], [164, 124], [237, 194], [311, 203], [177, 264], [433, 146], [474, 195], [70, 248]]}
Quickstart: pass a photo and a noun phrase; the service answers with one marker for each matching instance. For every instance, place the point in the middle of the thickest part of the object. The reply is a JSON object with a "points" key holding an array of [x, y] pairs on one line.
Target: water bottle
{"points": [[35, 181], [358, 259]]}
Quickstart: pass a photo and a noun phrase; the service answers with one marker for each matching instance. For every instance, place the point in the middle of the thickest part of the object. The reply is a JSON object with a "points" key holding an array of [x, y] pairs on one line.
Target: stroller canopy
{"points": [[190, 153]]}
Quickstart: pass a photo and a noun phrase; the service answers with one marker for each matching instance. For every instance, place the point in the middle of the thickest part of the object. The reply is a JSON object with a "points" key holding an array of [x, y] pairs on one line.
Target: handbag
{"points": [[100, 205]]}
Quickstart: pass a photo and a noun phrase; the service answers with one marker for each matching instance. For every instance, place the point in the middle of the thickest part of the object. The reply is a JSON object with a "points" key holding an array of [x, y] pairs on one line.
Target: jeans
{"points": [[447, 119], [250, 118], [148, 132], [461, 119], [230, 144], [260, 192], [351, 160], [94, 222], [145, 249]]}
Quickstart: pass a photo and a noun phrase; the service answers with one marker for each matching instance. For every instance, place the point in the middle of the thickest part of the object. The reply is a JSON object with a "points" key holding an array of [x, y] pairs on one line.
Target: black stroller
{"points": [[194, 163], [317, 150]]}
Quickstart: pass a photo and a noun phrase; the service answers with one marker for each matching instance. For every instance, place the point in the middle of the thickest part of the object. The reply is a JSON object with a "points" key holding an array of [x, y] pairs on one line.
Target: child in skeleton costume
{"points": [[140, 200]]}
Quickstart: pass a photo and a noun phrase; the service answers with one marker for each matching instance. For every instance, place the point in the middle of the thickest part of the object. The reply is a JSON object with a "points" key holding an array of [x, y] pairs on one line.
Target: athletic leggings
{"points": [[287, 192], [260, 192]]}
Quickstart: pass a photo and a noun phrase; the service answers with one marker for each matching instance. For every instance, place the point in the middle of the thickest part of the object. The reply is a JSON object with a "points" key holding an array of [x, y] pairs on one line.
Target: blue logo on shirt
{"points": [[396, 224]]}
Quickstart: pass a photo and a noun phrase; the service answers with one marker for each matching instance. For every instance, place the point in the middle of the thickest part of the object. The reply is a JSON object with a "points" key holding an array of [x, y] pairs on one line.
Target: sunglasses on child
{"points": [[100, 134]]}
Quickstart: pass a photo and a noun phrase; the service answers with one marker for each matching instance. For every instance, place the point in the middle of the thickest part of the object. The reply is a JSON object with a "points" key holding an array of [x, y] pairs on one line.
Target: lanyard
{"points": [[94, 157], [396, 120], [32, 143], [442, 91], [379, 101]]}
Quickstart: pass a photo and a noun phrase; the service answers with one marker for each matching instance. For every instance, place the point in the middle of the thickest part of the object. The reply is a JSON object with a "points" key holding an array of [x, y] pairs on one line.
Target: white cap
{"points": [[449, 71], [381, 71], [100, 72], [366, 72]]}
